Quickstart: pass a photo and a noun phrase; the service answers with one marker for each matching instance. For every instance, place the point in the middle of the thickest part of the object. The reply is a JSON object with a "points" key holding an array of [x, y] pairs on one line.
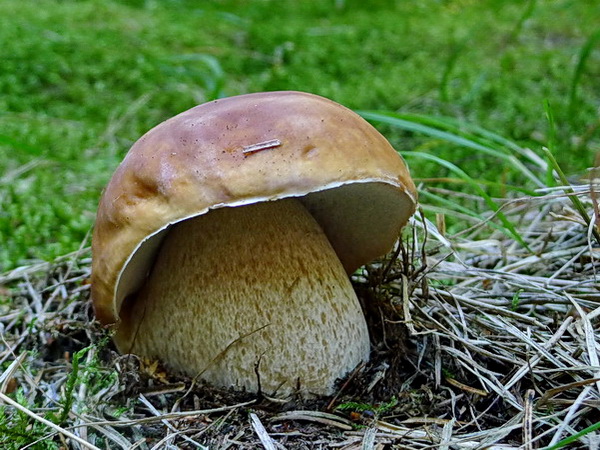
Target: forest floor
{"points": [[477, 342]]}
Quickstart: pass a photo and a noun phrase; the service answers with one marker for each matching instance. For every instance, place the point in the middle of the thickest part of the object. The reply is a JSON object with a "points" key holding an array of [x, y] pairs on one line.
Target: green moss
{"points": [[82, 80]]}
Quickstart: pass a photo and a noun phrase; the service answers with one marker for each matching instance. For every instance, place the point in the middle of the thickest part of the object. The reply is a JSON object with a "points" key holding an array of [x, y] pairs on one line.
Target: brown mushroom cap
{"points": [[343, 170]]}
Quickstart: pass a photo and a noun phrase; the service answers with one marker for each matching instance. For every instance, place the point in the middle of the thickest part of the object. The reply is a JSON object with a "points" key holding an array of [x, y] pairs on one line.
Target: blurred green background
{"points": [[80, 81]]}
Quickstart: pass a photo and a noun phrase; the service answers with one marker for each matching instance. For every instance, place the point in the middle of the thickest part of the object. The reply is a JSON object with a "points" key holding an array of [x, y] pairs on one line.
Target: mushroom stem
{"points": [[241, 288]]}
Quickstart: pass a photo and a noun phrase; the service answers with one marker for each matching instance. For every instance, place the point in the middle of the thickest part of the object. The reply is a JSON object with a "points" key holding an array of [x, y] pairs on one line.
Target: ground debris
{"points": [[477, 342]]}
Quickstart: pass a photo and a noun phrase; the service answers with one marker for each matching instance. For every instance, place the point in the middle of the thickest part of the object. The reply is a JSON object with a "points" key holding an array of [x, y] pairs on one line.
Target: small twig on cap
{"points": [[266, 145]]}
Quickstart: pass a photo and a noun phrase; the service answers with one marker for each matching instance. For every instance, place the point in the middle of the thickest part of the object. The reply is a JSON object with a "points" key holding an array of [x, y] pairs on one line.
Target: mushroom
{"points": [[224, 240]]}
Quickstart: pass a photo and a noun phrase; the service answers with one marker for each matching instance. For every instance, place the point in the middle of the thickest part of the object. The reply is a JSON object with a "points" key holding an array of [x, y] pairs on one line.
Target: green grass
{"points": [[81, 80], [85, 376]]}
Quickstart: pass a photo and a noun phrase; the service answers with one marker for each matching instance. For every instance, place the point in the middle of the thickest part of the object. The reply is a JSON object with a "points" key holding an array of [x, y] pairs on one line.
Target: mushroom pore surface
{"points": [[245, 285]]}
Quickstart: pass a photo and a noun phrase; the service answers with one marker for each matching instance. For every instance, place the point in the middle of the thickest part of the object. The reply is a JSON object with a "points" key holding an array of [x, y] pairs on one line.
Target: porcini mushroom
{"points": [[224, 240]]}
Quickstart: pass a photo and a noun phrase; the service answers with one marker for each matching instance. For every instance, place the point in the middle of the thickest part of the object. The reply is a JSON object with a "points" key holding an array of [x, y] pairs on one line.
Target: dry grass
{"points": [[478, 343]]}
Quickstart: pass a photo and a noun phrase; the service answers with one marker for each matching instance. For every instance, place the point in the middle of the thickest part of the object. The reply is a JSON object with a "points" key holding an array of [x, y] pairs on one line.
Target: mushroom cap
{"points": [[343, 170]]}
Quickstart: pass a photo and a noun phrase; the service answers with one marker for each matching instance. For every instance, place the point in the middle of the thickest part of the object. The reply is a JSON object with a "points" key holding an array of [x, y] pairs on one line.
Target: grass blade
{"points": [[450, 132], [584, 54], [574, 438], [449, 66], [553, 165], [509, 228], [530, 8], [477, 133], [571, 194], [481, 182], [454, 206]]}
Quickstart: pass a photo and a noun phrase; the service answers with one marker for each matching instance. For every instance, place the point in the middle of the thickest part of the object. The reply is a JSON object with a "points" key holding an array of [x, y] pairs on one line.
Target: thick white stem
{"points": [[257, 284]]}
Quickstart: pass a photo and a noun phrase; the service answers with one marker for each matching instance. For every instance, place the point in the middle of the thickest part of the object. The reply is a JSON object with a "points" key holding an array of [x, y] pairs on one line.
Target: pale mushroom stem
{"points": [[257, 284]]}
